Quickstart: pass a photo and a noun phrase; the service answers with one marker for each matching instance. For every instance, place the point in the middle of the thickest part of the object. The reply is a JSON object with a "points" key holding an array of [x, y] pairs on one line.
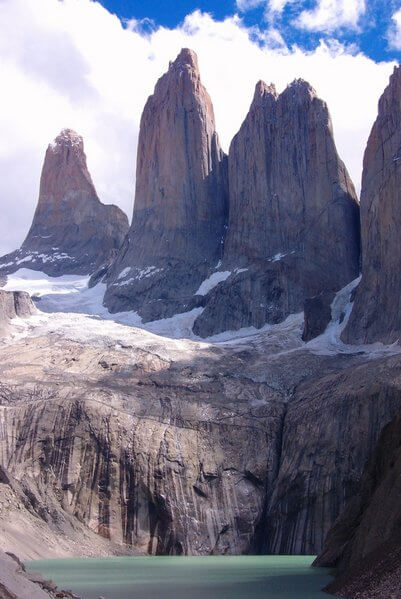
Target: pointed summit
{"points": [[262, 92], [180, 199], [290, 196], [72, 231], [186, 57]]}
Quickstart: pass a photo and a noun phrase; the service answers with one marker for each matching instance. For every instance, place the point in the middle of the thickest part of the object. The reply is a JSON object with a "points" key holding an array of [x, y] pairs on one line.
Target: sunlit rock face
{"points": [[376, 315], [293, 229], [180, 209], [72, 231]]}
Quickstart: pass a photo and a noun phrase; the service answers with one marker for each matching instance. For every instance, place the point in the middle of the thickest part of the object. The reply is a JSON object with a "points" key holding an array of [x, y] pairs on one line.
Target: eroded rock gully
{"points": [[226, 449]]}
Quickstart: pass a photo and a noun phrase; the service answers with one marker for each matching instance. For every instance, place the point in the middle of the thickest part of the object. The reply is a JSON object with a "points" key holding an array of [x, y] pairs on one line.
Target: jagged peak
{"points": [[300, 87], [185, 58], [67, 137], [262, 89]]}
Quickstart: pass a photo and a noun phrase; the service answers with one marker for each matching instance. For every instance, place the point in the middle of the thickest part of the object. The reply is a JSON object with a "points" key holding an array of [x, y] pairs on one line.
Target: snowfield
{"points": [[68, 307]]}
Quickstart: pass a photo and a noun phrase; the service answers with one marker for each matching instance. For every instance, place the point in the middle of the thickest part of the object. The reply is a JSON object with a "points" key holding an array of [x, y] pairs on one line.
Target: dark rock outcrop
{"points": [[365, 542], [330, 429], [179, 218], [293, 227], [72, 231], [317, 315], [376, 315]]}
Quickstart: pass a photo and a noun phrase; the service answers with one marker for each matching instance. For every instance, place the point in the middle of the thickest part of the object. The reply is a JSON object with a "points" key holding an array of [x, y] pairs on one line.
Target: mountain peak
{"points": [[186, 57], [262, 90], [67, 137]]}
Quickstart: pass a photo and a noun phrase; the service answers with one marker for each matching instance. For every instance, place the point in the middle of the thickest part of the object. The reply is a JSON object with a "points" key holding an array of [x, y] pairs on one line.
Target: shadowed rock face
{"points": [[72, 231], [376, 315], [365, 542], [294, 217], [330, 429], [180, 199]]}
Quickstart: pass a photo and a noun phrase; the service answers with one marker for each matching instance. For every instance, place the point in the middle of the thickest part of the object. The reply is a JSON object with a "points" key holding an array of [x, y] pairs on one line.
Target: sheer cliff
{"points": [[180, 208], [293, 229]]}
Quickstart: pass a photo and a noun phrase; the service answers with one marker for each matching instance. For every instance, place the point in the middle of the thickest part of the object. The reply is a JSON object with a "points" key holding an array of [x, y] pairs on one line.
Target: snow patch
{"points": [[279, 256], [124, 273], [330, 343], [38, 284], [291, 325], [238, 270], [140, 273], [211, 282], [70, 294]]}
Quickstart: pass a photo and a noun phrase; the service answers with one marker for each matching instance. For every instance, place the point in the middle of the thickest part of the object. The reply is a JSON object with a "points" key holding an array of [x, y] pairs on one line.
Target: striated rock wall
{"points": [[162, 464], [180, 207], [72, 231], [376, 315], [169, 448], [293, 229]]}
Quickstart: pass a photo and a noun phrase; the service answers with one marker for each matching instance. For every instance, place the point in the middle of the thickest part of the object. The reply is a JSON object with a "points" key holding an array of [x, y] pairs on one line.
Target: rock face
{"points": [[12, 304], [72, 231], [376, 315], [330, 428], [293, 227], [172, 447], [179, 218], [317, 313], [161, 457], [365, 542]]}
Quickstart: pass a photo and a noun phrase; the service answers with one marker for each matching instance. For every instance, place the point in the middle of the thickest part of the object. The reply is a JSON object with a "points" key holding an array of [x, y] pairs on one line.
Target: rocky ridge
{"points": [[289, 194], [72, 231], [255, 259]]}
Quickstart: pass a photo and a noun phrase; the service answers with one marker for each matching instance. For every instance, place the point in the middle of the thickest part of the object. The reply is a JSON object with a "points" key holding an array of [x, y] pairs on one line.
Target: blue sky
{"points": [[368, 26]]}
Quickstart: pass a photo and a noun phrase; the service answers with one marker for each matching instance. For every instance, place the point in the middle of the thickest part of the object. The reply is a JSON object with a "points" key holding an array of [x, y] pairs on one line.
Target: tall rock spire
{"points": [[293, 228], [376, 314], [72, 231], [180, 199]]}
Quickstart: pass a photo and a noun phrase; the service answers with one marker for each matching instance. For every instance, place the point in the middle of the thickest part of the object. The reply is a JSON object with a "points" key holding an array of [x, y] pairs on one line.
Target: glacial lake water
{"points": [[220, 577]]}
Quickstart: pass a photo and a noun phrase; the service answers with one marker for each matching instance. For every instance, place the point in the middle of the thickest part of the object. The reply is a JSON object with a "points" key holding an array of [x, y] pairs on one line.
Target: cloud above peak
{"points": [[331, 15], [325, 16]]}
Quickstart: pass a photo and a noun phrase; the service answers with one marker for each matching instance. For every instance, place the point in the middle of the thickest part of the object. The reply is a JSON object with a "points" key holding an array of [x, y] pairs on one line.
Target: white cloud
{"points": [[244, 5], [394, 32], [72, 64], [330, 15], [271, 6]]}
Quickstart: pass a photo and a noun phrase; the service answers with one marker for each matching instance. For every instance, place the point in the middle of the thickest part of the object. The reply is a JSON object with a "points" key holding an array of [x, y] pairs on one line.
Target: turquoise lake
{"points": [[244, 577]]}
